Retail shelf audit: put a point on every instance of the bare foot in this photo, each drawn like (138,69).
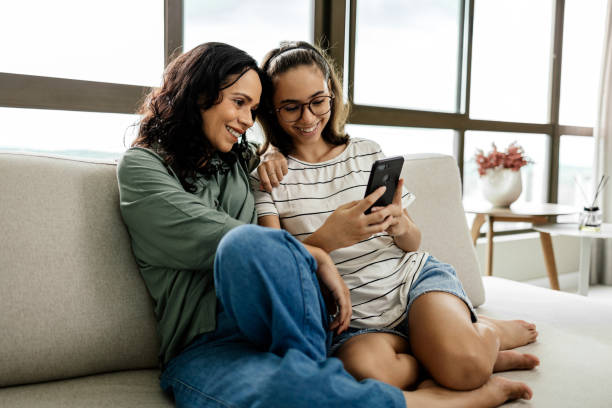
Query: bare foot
(512,333)
(493,393)
(513,360)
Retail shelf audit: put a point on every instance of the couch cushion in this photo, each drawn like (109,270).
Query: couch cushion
(438,211)
(72,299)
(128,389)
(574,343)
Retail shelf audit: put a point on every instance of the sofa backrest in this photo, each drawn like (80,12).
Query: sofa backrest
(438,211)
(72,301)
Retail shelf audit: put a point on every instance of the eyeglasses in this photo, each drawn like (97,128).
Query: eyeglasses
(318,106)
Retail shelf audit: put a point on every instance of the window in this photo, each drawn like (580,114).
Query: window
(511,60)
(106,41)
(582,49)
(111,42)
(407,54)
(407,65)
(254,26)
(400,140)
(67,133)
(576,158)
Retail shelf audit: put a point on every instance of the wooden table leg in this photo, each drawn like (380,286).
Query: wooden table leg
(489,255)
(549,259)
(476,225)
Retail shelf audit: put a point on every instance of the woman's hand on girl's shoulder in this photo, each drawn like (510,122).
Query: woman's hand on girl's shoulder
(272,169)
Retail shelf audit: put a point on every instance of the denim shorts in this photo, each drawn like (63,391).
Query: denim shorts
(435,276)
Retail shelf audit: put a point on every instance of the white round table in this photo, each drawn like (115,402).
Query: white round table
(586,238)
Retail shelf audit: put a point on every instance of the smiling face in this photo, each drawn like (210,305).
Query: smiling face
(224,122)
(300,85)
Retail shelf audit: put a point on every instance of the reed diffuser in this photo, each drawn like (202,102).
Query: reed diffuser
(590,217)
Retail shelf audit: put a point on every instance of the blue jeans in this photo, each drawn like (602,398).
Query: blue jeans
(269,348)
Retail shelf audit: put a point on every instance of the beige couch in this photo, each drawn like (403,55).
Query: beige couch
(77,326)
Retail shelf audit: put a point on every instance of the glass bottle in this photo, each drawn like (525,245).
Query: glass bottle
(590,219)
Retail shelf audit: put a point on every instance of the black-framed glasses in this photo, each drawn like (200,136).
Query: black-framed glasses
(318,106)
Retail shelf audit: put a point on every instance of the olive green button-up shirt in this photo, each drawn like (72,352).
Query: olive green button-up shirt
(174,237)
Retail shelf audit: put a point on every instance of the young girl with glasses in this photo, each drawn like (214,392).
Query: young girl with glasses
(405,303)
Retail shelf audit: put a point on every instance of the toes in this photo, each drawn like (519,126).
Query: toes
(513,360)
(513,389)
(520,390)
(531,326)
(530,361)
(525,362)
(527,394)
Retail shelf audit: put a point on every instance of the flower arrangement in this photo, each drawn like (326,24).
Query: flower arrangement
(513,158)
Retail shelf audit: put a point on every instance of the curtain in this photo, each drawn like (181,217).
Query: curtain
(601,265)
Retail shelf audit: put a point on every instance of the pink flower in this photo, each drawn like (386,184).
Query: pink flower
(513,158)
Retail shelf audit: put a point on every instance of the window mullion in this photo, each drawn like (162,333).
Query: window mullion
(173,29)
(337,10)
(320,32)
(554,101)
(350,70)
(464,81)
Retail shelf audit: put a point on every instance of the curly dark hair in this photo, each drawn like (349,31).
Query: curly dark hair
(171,121)
(288,55)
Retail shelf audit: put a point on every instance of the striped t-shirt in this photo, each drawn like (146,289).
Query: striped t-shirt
(377,272)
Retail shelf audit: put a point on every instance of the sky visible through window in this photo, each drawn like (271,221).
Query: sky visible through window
(406,54)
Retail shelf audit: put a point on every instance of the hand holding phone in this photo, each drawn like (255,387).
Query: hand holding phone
(385,172)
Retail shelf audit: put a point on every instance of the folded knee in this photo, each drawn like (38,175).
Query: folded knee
(252,256)
(246,244)
(237,255)
(241,239)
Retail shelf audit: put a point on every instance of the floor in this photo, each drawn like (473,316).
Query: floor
(569,283)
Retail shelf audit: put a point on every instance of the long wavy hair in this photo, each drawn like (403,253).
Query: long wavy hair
(290,55)
(171,120)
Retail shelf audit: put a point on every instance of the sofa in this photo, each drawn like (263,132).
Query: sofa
(77,327)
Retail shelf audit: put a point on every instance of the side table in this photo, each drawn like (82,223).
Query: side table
(586,239)
(535,213)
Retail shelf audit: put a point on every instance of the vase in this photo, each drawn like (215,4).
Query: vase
(501,186)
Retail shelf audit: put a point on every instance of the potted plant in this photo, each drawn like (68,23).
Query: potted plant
(500,173)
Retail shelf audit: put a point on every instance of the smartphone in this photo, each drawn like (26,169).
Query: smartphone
(385,172)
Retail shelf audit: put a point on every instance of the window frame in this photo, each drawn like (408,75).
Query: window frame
(42,92)
(460,122)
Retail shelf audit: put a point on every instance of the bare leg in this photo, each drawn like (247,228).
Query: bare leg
(458,354)
(512,333)
(493,393)
(382,356)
